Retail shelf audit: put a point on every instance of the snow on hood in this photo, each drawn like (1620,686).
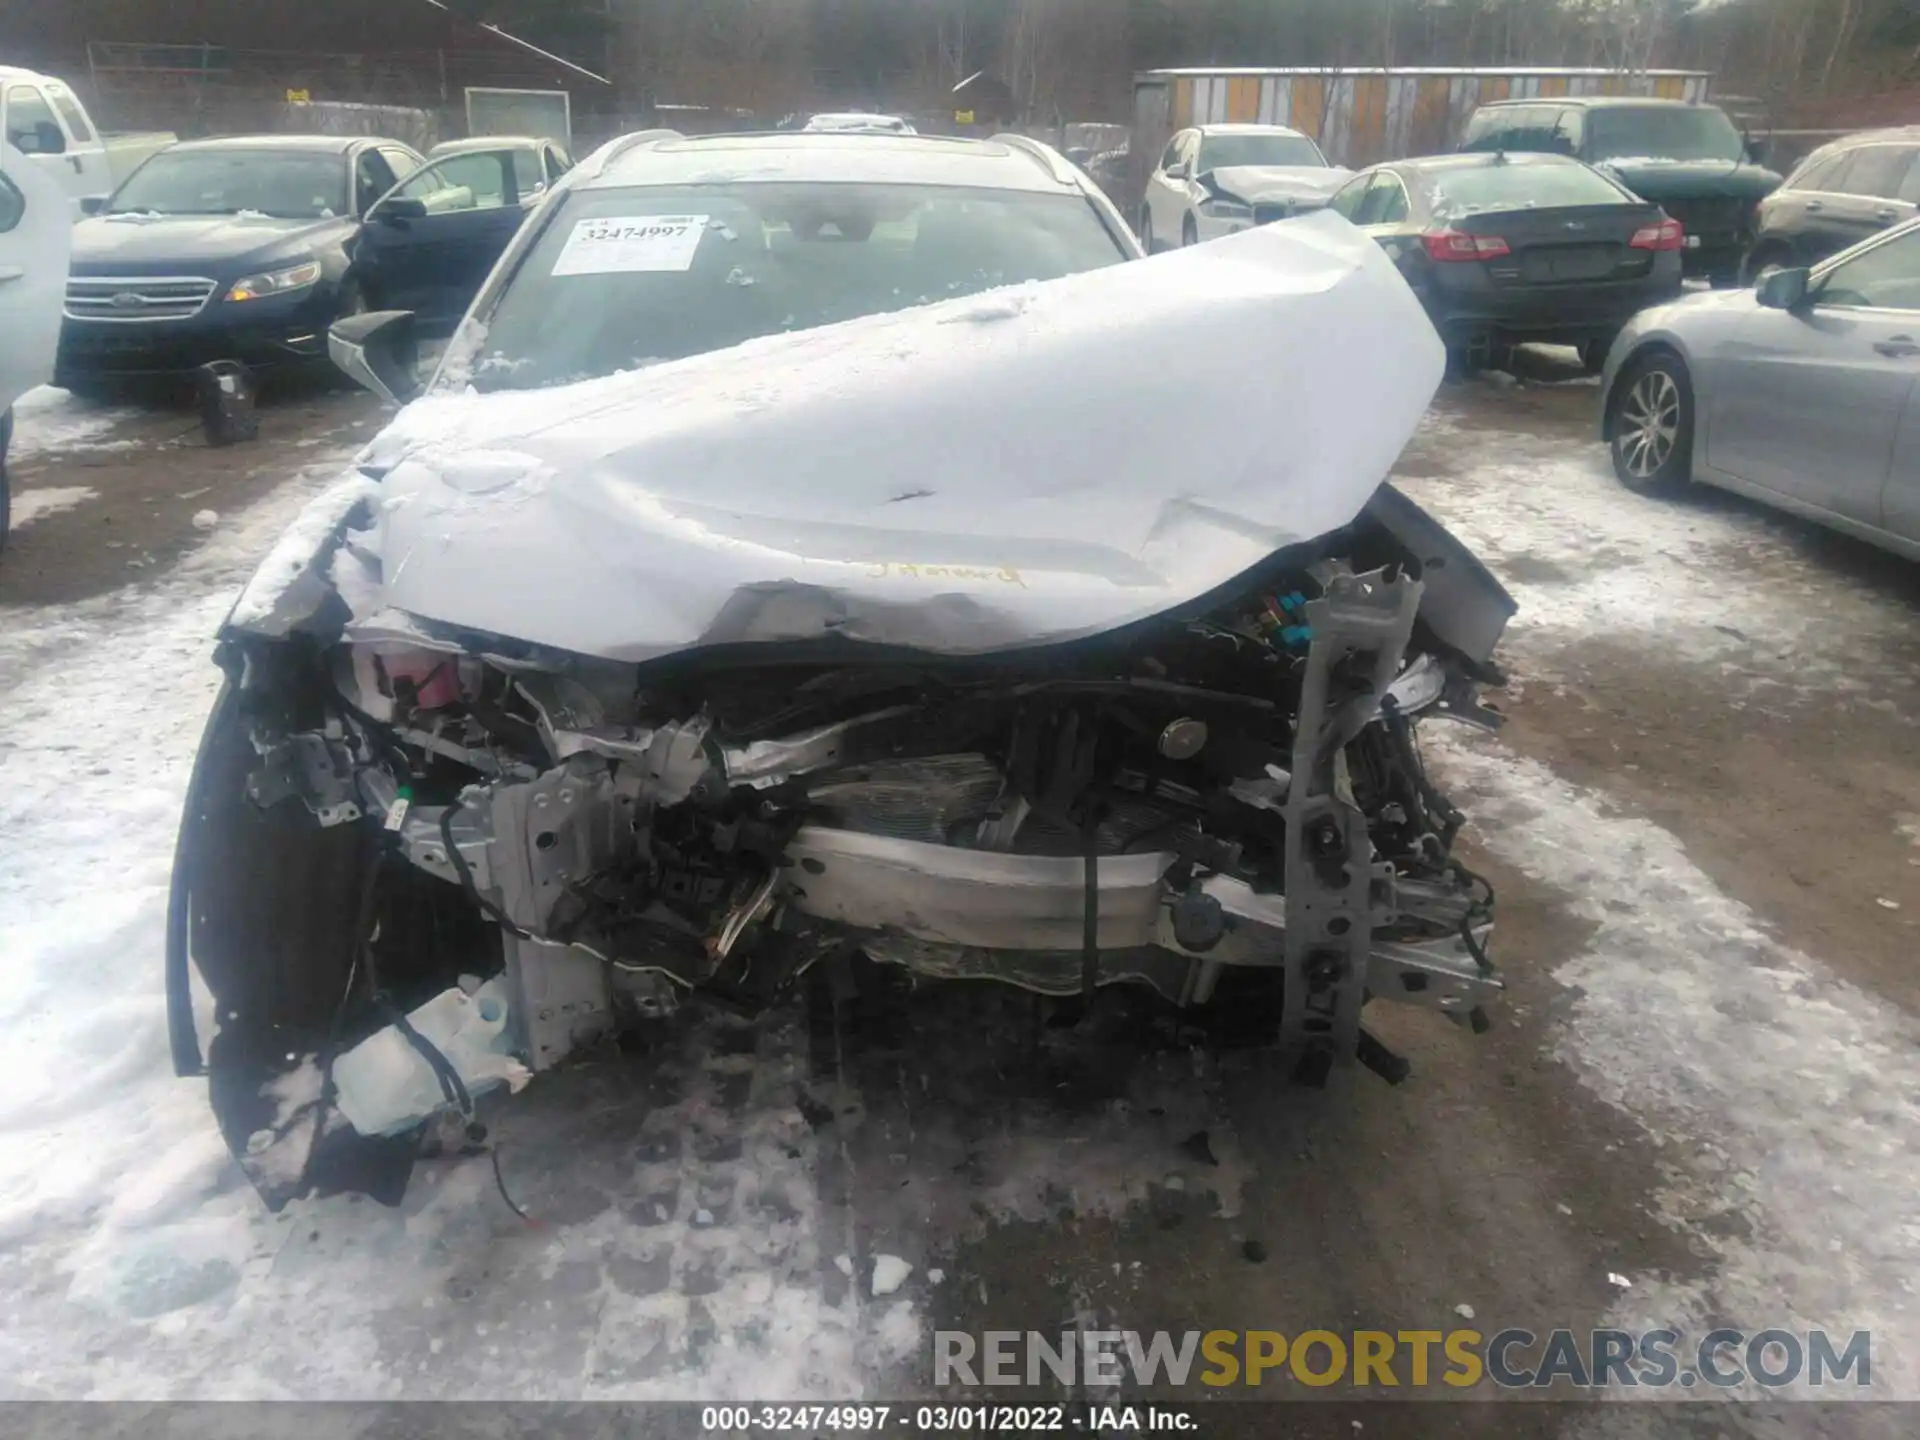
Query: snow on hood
(1254,183)
(1032,465)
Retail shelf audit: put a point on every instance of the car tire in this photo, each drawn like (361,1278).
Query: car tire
(1650,421)
(1593,354)
(1189,232)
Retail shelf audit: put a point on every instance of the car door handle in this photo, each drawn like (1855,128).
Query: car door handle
(12,272)
(1814,205)
(1898,347)
(79,166)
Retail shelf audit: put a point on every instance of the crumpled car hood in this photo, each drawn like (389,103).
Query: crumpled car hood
(1025,467)
(1255,183)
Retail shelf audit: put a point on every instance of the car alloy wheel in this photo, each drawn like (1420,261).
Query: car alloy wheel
(1653,426)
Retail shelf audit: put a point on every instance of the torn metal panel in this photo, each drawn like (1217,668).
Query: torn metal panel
(659,510)
(1360,629)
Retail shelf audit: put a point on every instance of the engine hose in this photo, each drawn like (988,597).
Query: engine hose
(465,872)
(1090,914)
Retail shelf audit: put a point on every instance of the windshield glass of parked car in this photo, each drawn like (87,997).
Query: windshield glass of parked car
(624,278)
(1629,132)
(1466,190)
(288,186)
(1219,152)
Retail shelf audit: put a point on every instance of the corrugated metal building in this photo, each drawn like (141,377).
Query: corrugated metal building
(1361,116)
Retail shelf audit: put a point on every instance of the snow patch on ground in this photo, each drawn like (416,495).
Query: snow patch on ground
(48,420)
(1700,580)
(31,505)
(138,1264)
(1783,1099)
(890,1272)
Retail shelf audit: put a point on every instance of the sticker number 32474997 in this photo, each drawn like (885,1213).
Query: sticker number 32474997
(631,242)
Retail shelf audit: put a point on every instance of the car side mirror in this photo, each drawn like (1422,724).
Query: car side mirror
(1782,289)
(93,204)
(379,351)
(1758,151)
(398,210)
(1178,170)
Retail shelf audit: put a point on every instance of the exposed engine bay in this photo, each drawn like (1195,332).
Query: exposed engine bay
(1234,791)
(693,681)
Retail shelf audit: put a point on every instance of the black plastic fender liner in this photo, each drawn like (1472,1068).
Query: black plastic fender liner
(263,905)
(1463,604)
(182,1035)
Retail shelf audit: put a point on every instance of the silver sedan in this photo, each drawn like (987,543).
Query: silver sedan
(1803,393)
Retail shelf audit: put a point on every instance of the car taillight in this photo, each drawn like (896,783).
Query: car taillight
(1452,245)
(1667,235)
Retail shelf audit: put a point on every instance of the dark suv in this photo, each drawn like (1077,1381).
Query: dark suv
(1690,160)
(1838,196)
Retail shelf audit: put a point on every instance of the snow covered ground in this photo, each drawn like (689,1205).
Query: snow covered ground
(1779,1092)
(688,1244)
(49,420)
(140,1264)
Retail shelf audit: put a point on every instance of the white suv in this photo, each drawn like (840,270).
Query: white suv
(36,236)
(1212,180)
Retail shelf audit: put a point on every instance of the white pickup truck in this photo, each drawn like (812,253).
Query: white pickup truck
(36,239)
(43,119)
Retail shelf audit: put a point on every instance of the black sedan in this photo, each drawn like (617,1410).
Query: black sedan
(235,249)
(1503,249)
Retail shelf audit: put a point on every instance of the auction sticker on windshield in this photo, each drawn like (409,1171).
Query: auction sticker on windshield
(631,242)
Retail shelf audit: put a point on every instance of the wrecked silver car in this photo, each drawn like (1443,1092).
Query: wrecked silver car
(926,635)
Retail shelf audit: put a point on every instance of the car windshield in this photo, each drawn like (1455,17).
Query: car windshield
(629,277)
(1218,152)
(1520,187)
(1693,132)
(292,185)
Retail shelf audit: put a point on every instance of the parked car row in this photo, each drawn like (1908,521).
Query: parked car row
(1574,221)
(1578,212)
(248,247)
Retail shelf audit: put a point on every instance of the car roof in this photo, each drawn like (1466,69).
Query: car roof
(318,144)
(1244,129)
(491,142)
(665,158)
(1481,160)
(1890,135)
(1602,102)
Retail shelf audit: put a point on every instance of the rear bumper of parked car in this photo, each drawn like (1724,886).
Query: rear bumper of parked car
(268,333)
(1468,307)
